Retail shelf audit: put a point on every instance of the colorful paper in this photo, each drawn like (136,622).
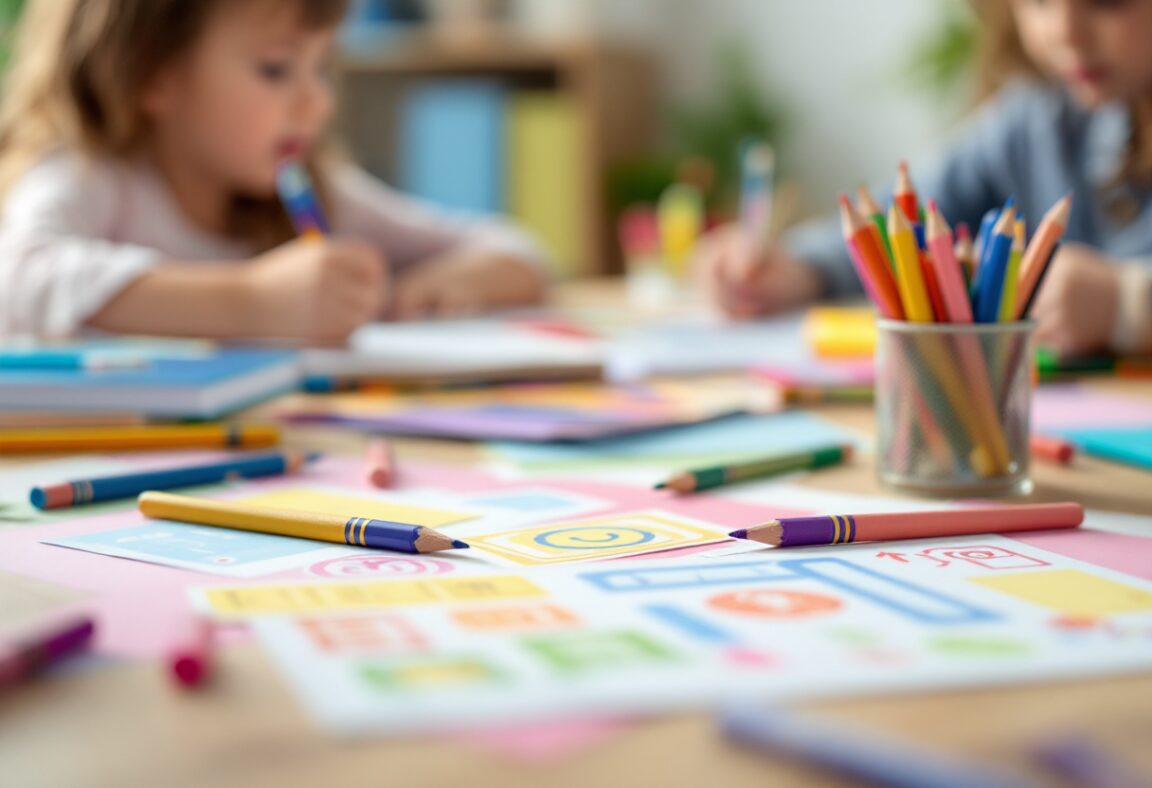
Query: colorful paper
(1059,407)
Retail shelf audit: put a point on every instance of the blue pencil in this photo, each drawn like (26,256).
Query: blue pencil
(994,268)
(869,758)
(299,198)
(110,488)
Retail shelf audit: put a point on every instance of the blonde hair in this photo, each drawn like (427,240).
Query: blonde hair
(1001,57)
(79,68)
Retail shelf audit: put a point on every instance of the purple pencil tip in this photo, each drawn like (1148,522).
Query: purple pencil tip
(456,543)
(740,534)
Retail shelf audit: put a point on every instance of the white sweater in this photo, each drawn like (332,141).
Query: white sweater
(75,232)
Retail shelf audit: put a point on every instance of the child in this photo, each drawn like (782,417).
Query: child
(139,144)
(1073,113)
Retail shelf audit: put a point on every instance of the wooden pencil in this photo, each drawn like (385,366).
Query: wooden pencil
(358,531)
(147,437)
(1039,253)
(909,276)
(845,529)
(870,261)
(905,195)
(720,475)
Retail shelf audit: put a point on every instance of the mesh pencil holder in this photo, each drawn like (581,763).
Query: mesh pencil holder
(952,406)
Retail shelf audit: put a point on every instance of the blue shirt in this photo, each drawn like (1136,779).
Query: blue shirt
(1031,142)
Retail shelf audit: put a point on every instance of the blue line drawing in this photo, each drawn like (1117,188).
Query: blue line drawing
(612,538)
(907,599)
(691,625)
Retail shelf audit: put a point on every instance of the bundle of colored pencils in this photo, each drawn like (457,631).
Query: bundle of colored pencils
(915,268)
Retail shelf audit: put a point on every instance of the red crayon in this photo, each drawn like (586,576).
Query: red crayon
(1057,450)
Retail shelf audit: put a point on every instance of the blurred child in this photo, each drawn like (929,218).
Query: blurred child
(139,145)
(1071,111)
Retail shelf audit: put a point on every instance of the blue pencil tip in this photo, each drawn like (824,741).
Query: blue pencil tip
(456,543)
(740,534)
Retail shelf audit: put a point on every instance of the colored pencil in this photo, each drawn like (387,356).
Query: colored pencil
(358,531)
(870,261)
(720,475)
(932,287)
(909,277)
(949,276)
(813,395)
(1039,253)
(23,659)
(129,485)
(862,756)
(299,198)
(1012,275)
(380,463)
(994,267)
(984,234)
(1052,449)
(875,214)
(844,529)
(191,659)
(757,176)
(182,436)
(905,195)
(964,252)
(64,359)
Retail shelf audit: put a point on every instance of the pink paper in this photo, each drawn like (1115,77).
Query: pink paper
(1131,555)
(544,742)
(141,607)
(1056,407)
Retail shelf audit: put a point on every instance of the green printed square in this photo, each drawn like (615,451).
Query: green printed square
(429,673)
(596,651)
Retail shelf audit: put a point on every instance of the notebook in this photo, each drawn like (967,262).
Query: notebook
(203,385)
(455,351)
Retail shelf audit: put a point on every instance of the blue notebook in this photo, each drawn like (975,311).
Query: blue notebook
(202,383)
(451,148)
(1128,446)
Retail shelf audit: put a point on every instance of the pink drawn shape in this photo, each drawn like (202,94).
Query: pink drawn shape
(354,567)
(1072,406)
(546,742)
(1120,552)
(751,658)
(987,556)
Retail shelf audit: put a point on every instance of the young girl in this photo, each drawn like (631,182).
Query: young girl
(139,145)
(1072,112)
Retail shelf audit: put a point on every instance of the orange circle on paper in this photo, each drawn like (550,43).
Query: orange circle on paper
(773,603)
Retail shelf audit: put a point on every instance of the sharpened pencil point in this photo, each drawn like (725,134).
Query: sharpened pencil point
(739,534)
(458,545)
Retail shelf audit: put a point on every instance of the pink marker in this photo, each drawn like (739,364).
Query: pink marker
(190,661)
(380,463)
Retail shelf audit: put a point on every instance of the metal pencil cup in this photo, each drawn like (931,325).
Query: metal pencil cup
(952,407)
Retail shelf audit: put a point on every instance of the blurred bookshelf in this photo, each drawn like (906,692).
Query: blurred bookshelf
(504,122)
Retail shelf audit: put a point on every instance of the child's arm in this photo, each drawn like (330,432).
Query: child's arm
(1090,303)
(302,291)
(442,263)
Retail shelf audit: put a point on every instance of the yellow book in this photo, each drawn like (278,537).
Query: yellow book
(545,184)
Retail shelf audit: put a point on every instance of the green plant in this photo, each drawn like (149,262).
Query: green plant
(942,62)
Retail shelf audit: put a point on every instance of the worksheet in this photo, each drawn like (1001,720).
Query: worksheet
(633,637)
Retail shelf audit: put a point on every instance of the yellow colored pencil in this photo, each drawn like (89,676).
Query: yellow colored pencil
(909,277)
(171,436)
(1012,276)
(358,531)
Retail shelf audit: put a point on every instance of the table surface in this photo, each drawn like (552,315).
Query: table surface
(124,725)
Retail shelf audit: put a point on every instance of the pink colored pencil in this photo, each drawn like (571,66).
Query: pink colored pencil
(1039,251)
(842,529)
(953,292)
(380,463)
(191,660)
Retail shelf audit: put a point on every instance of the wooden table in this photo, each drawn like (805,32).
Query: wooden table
(123,725)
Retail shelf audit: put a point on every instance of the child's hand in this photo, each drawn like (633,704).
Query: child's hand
(467,283)
(316,291)
(1077,302)
(746,283)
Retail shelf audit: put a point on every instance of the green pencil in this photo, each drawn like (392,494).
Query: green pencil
(720,475)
